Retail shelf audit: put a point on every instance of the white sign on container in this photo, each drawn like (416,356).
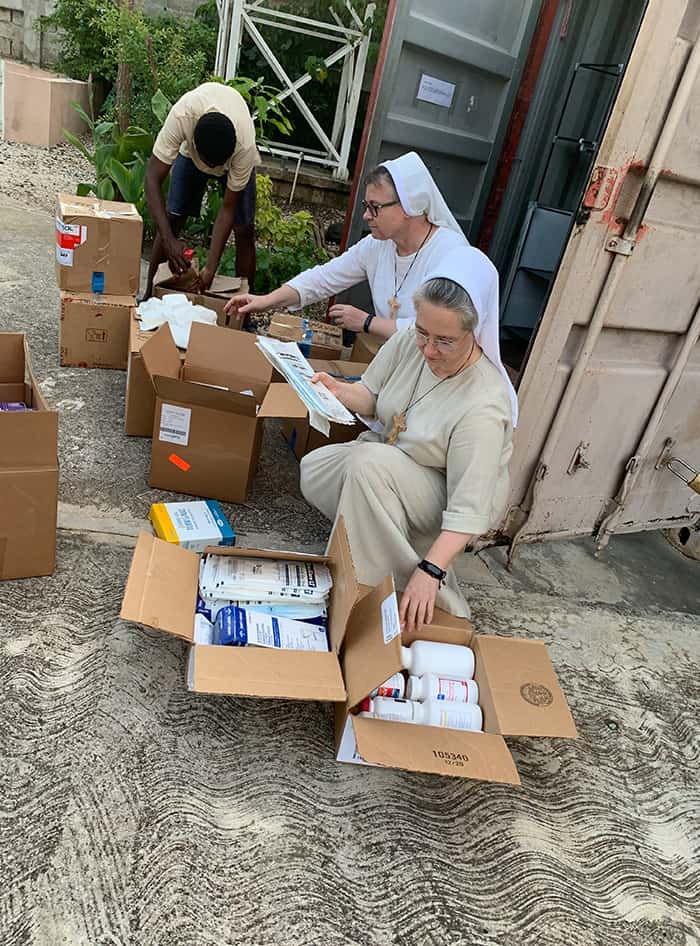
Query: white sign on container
(436,91)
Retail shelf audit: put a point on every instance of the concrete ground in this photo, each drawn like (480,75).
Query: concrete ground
(135,813)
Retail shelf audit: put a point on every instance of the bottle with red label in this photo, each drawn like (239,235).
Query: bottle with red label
(432,686)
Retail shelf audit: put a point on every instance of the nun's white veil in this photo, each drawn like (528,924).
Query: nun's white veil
(419,193)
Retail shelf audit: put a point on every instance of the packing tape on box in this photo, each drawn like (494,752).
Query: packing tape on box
(179,462)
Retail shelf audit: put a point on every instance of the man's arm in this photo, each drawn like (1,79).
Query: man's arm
(156,172)
(223,225)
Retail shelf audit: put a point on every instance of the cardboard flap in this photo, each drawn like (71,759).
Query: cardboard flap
(346,590)
(227,286)
(161,590)
(367,660)
(160,354)
(260,671)
(12,349)
(522,687)
(166,278)
(229,354)
(475,755)
(200,395)
(282,400)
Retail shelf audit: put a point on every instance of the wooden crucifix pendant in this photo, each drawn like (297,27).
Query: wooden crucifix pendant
(398,428)
(394,306)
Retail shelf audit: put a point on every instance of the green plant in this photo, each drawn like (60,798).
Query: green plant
(82,38)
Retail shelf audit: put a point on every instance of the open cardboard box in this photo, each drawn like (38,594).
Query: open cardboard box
(28,468)
(365,347)
(519,695)
(215,298)
(326,339)
(206,433)
(161,592)
(301,435)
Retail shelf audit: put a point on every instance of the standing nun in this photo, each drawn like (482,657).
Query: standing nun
(411,230)
(415,495)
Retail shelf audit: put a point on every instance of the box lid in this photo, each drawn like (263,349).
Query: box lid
(161,590)
(231,356)
(71,206)
(160,354)
(281,400)
(372,642)
(346,369)
(519,690)
(12,350)
(345,594)
(259,671)
(226,286)
(433,749)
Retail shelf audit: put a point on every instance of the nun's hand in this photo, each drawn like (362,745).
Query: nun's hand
(347,316)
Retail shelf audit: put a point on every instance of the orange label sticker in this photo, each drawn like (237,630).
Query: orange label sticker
(179,462)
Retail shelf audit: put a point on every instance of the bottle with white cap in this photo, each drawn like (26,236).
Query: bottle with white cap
(465,716)
(447,660)
(394,687)
(433,687)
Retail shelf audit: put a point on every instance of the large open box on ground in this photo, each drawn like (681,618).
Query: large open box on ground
(95,330)
(28,468)
(222,289)
(161,592)
(519,695)
(209,412)
(98,246)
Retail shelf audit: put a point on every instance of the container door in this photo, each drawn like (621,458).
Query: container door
(611,387)
(447,88)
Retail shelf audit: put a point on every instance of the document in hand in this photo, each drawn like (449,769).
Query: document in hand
(323,406)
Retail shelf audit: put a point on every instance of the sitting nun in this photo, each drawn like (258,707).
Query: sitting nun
(411,229)
(415,495)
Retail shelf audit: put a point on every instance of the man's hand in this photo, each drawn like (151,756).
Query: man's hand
(175,254)
(347,316)
(205,279)
(418,601)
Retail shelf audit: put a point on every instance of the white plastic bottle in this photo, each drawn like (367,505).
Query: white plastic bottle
(465,716)
(447,660)
(394,687)
(433,687)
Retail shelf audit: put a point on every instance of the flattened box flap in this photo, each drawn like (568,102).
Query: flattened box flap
(161,590)
(433,749)
(367,660)
(260,671)
(282,400)
(201,395)
(160,354)
(524,691)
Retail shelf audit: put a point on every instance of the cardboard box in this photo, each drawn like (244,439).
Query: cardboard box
(222,289)
(519,695)
(302,437)
(365,348)
(94,330)
(37,105)
(28,468)
(140,402)
(161,593)
(98,246)
(206,432)
(326,341)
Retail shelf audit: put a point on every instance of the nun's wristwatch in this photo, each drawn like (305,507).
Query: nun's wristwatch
(434,571)
(368,322)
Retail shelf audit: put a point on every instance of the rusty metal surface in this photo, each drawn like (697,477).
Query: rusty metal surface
(649,315)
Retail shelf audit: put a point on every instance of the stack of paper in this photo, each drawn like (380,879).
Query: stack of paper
(323,406)
(177,310)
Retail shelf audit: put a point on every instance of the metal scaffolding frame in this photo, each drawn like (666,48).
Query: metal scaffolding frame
(237,16)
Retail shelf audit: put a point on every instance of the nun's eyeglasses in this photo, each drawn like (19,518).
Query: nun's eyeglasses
(372,207)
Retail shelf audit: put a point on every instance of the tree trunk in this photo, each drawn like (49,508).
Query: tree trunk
(124,83)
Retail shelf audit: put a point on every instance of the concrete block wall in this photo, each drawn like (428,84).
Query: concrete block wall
(20,39)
